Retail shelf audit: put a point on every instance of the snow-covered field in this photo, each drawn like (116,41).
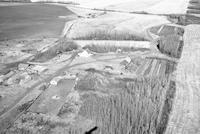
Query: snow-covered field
(150,6)
(153,6)
(135,24)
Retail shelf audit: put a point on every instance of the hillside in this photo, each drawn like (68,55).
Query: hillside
(116,67)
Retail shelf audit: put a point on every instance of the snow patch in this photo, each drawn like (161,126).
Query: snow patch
(128,59)
(150,6)
(85,54)
(55,97)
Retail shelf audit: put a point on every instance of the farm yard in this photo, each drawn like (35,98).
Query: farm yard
(88,71)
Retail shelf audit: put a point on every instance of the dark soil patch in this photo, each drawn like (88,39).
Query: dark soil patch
(170,45)
(167,30)
(193,11)
(31,20)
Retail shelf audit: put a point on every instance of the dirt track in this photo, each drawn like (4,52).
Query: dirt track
(185,116)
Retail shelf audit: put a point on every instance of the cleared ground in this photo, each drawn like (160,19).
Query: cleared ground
(32,20)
